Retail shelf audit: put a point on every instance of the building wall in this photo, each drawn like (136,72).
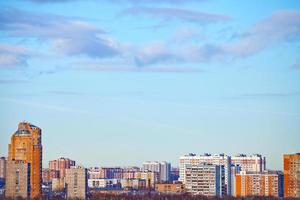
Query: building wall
(150,177)
(268,183)
(205,179)
(17,179)
(49,174)
(76,183)
(26,145)
(253,163)
(61,165)
(219,159)
(292,175)
(169,188)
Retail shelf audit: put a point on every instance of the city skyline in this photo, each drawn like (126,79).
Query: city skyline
(117,83)
(22,175)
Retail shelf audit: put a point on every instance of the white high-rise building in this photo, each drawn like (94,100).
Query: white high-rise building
(205,179)
(218,159)
(253,163)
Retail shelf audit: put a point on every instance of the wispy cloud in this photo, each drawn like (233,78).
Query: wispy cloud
(65,93)
(127,67)
(271,94)
(281,26)
(66,35)
(13,56)
(3,81)
(296,66)
(183,15)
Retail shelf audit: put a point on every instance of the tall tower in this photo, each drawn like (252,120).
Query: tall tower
(291,175)
(26,145)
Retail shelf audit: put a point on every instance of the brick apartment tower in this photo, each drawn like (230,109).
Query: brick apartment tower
(26,145)
(291,175)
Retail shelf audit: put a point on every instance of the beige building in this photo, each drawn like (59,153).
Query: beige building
(150,177)
(58,184)
(76,183)
(135,184)
(2,167)
(205,179)
(17,179)
(170,188)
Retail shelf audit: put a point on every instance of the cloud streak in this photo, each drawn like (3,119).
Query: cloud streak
(176,14)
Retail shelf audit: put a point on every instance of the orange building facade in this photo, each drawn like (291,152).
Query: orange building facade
(26,145)
(268,183)
(291,175)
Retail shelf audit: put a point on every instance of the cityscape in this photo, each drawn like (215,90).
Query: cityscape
(149,100)
(23,176)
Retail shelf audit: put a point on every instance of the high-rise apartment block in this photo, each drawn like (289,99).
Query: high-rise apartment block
(17,179)
(61,165)
(267,183)
(205,179)
(26,145)
(291,175)
(162,168)
(76,183)
(218,159)
(253,163)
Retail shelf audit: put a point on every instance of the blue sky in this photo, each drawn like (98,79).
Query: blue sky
(115,83)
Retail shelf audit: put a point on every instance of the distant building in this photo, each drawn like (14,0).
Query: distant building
(267,183)
(49,174)
(104,183)
(165,171)
(170,188)
(76,183)
(205,179)
(217,159)
(17,179)
(235,169)
(253,163)
(26,145)
(61,165)
(94,173)
(129,172)
(58,184)
(174,174)
(150,177)
(291,175)
(2,167)
(162,168)
(133,184)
